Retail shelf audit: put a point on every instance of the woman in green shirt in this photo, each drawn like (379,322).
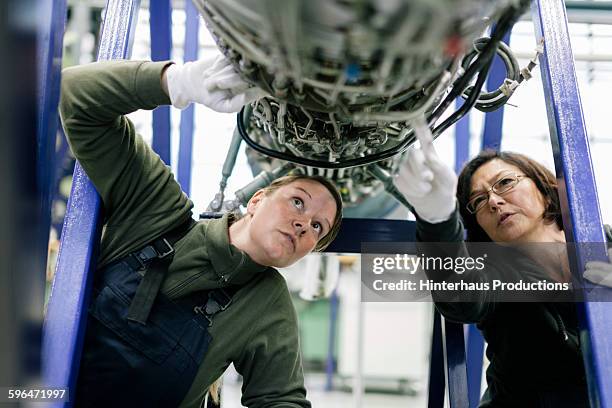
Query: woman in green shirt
(163,350)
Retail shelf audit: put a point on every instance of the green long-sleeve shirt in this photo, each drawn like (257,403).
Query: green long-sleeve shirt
(142,200)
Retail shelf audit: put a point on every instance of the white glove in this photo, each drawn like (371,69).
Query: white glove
(599,273)
(212,82)
(428,184)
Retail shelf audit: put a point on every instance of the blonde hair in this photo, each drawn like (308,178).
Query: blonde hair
(213,391)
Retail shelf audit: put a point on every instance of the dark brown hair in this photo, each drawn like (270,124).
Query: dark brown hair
(543,178)
(335,227)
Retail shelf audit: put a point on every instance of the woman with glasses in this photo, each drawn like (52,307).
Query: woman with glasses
(505,198)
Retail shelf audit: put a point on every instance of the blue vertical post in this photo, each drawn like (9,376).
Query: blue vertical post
(437,381)
(456,370)
(491,139)
(330,364)
(192,25)
(474,351)
(160,23)
(474,341)
(462,138)
(51,29)
(577,188)
(50,45)
(494,121)
(67,308)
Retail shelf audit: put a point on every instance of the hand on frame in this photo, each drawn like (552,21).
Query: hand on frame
(599,273)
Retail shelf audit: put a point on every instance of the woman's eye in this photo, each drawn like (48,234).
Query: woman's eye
(477,201)
(505,181)
(317,227)
(298,202)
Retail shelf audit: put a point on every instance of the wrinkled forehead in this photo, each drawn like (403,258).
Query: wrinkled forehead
(489,173)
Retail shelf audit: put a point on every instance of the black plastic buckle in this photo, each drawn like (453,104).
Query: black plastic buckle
(217,302)
(136,262)
(166,251)
(220,298)
(202,310)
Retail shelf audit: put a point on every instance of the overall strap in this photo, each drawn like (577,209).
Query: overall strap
(217,301)
(155,259)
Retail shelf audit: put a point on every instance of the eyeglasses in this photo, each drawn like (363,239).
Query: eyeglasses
(501,186)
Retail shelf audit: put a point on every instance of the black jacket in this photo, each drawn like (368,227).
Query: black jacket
(533,347)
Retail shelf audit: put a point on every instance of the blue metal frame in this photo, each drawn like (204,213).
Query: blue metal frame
(578,192)
(50,46)
(494,121)
(474,351)
(456,371)
(330,363)
(66,313)
(462,138)
(437,380)
(354,231)
(491,139)
(474,341)
(192,26)
(160,24)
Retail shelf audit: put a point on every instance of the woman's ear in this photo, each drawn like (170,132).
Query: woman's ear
(254,202)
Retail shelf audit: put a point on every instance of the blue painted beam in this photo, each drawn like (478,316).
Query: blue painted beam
(160,24)
(192,25)
(494,121)
(578,192)
(330,363)
(454,352)
(462,138)
(67,308)
(50,45)
(437,379)
(474,340)
(355,231)
(474,351)
(491,139)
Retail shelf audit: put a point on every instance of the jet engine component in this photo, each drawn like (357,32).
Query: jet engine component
(347,77)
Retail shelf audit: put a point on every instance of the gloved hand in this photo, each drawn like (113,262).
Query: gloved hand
(599,273)
(212,82)
(428,184)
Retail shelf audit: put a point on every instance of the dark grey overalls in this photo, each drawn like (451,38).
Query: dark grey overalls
(141,348)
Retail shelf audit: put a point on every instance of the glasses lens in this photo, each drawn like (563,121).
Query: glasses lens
(504,184)
(476,203)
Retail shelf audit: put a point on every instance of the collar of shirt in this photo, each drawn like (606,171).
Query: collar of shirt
(231,264)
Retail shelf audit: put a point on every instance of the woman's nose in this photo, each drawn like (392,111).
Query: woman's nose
(495,201)
(300,226)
